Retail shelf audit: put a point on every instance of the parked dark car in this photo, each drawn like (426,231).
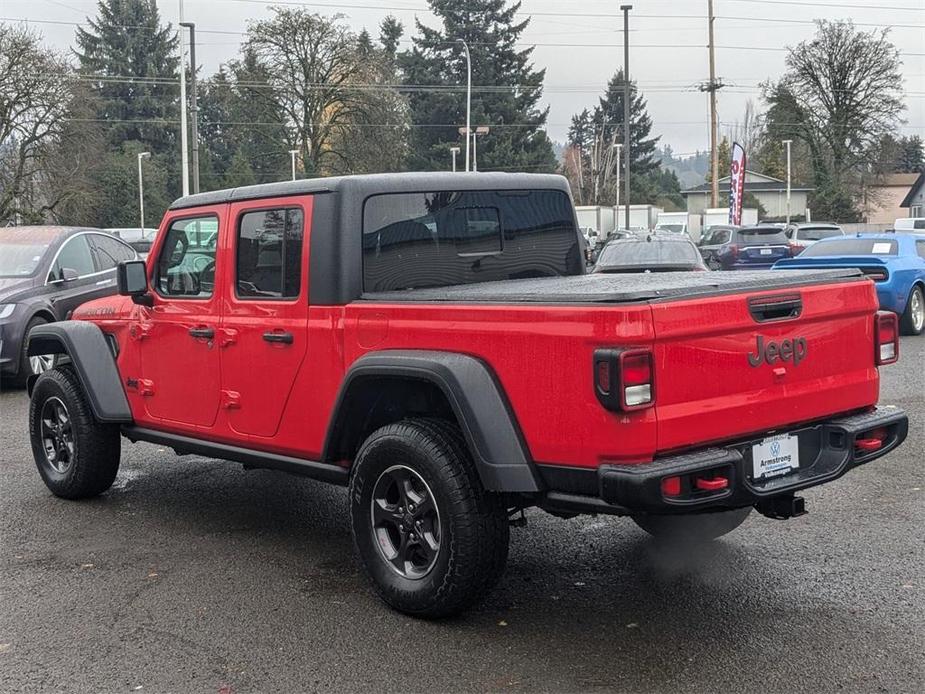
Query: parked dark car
(746,248)
(45,273)
(139,239)
(651,253)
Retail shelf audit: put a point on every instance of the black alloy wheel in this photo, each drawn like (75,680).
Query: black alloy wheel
(405,522)
(56,435)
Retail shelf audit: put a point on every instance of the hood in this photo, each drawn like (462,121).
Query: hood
(11,287)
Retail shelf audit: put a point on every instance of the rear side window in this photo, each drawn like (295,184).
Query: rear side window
(920,248)
(762,237)
(851,246)
(413,240)
(817,233)
(110,251)
(269,262)
(75,255)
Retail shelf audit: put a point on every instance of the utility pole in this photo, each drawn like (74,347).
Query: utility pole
(292,153)
(788,143)
(626,110)
(194,108)
(454,151)
(712,87)
(141,192)
(480,130)
(617,146)
(468,97)
(184,153)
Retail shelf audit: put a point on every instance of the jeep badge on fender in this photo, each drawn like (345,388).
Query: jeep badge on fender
(785,350)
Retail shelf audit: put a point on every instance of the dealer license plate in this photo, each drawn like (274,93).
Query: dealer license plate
(766,251)
(775,455)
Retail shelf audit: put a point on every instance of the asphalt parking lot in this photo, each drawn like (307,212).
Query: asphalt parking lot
(194,575)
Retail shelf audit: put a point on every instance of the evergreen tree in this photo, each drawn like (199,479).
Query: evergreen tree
(608,116)
(390,33)
(506,88)
(911,155)
(127,43)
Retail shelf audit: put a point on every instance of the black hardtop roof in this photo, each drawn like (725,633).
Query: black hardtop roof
(365,185)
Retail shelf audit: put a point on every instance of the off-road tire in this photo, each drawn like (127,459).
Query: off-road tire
(693,527)
(474,527)
(916,302)
(94,460)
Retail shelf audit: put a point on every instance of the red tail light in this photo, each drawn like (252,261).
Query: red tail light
(624,379)
(795,249)
(734,251)
(886,338)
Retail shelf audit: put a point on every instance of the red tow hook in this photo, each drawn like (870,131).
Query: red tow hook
(868,445)
(713,485)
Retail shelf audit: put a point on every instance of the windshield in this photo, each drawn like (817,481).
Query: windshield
(649,253)
(20,258)
(675,228)
(851,246)
(817,233)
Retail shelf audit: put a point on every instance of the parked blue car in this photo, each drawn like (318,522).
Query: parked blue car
(895,262)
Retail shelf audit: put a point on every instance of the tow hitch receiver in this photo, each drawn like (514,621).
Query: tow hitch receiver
(782,507)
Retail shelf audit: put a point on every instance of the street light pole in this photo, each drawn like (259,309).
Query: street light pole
(454,151)
(141,192)
(184,155)
(468,97)
(787,143)
(626,110)
(480,130)
(292,153)
(194,108)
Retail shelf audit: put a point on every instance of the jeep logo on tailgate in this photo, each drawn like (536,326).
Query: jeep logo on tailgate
(786,350)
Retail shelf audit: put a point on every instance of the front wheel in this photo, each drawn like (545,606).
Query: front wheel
(692,528)
(432,541)
(77,457)
(913,318)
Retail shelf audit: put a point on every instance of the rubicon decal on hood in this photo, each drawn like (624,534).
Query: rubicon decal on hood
(793,349)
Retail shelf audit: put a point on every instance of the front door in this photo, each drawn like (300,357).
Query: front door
(264,327)
(179,353)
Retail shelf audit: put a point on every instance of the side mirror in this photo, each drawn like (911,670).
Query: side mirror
(132,280)
(69,274)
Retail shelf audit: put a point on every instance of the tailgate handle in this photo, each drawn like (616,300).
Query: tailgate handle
(778,307)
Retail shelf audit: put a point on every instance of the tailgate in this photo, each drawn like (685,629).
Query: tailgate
(764,254)
(731,366)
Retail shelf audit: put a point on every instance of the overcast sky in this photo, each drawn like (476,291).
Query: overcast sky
(580,45)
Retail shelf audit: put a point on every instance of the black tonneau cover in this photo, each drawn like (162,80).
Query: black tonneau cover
(617,288)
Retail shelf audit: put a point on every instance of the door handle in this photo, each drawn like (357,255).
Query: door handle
(283,338)
(202,333)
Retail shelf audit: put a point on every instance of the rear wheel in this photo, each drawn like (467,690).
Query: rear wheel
(432,541)
(913,318)
(76,456)
(699,527)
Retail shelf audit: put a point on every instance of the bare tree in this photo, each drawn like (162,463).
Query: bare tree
(840,95)
(35,88)
(315,71)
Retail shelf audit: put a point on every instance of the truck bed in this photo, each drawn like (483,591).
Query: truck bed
(617,288)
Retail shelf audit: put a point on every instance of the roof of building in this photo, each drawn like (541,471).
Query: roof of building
(913,187)
(750,187)
(895,179)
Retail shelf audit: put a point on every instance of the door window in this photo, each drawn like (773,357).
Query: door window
(74,255)
(110,251)
(186,264)
(269,254)
(920,248)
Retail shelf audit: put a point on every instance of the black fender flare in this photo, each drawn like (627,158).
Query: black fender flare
(476,398)
(91,355)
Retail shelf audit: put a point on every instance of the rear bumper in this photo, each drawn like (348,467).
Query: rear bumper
(827,450)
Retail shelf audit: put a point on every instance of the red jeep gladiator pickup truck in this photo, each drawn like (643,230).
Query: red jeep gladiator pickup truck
(432,341)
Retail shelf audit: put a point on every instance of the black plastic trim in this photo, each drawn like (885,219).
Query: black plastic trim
(187,445)
(476,399)
(91,355)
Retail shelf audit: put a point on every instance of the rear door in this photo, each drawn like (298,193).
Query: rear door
(264,327)
(730,366)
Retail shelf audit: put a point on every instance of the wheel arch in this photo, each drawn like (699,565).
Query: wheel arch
(388,386)
(93,361)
